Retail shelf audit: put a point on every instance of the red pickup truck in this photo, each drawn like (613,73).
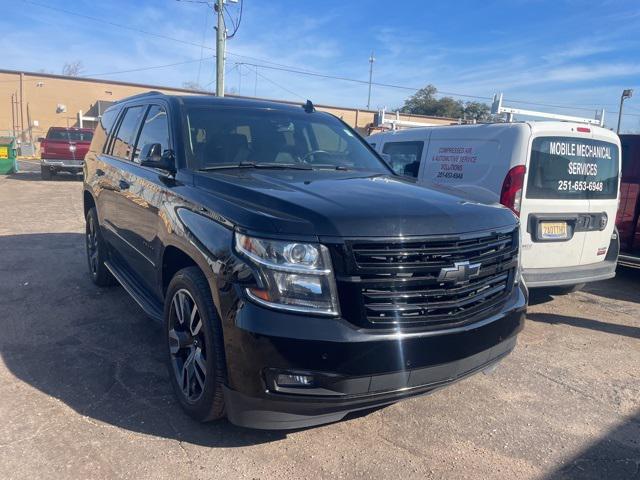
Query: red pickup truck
(63,150)
(628,219)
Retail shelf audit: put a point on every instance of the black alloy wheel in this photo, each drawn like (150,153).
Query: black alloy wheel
(96,251)
(187,345)
(196,360)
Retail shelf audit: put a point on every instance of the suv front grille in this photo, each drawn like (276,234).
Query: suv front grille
(399,282)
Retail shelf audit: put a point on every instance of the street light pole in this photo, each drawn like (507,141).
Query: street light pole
(220,41)
(627,93)
(371,60)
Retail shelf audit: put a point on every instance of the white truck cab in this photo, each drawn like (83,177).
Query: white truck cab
(560,178)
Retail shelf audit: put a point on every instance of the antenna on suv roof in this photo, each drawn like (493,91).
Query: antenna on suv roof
(308,107)
(497,108)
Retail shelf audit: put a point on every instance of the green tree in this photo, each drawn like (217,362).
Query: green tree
(424,102)
(477,111)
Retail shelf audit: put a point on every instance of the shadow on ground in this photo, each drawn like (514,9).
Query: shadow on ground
(625,286)
(32,176)
(92,348)
(579,322)
(615,456)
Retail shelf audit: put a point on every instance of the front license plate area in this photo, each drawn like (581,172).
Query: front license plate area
(554,231)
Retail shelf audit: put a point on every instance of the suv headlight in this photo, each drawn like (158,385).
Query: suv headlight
(294,276)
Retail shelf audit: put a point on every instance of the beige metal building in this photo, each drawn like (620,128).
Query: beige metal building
(31,102)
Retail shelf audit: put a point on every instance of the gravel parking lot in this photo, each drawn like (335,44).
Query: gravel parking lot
(84,392)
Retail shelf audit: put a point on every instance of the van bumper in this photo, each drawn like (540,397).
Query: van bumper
(560,276)
(555,277)
(351,369)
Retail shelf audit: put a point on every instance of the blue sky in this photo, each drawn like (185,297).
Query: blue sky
(576,53)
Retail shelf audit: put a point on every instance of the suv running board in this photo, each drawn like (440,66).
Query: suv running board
(629,260)
(151,307)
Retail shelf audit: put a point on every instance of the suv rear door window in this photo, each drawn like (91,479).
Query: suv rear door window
(404,157)
(126,135)
(573,168)
(155,129)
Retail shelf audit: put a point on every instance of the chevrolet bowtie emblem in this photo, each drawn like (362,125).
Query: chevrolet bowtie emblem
(461,272)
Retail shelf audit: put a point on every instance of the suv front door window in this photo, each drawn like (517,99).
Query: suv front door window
(155,131)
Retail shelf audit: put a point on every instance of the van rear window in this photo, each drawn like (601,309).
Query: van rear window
(573,168)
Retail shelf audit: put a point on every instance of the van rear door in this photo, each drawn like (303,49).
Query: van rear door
(570,200)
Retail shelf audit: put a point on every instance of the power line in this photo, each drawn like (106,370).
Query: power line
(287,68)
(114,24)
(274,83)
(204,32)
(141,69)
(236,25)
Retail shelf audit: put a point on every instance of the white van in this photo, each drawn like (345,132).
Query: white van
(560,178)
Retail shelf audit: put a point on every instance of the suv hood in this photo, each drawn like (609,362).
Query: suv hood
(341,204)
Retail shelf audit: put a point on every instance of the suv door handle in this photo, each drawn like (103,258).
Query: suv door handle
(123,184)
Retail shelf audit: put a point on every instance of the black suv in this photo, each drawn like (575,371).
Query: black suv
(297,277)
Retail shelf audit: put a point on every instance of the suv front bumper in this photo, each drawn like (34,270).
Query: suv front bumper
(352,368)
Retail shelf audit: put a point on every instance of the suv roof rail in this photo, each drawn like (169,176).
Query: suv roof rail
(140,95)
(497,108)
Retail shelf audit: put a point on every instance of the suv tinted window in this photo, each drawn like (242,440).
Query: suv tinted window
(126,135)
(154,130)
(404,157)
(226,136)
(105,127)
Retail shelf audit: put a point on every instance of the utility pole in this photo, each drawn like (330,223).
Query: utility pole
(220,41)
(21,108)
(13,116)
(371,60)
(627,93)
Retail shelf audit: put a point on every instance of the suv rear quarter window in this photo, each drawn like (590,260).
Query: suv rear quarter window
(104,129)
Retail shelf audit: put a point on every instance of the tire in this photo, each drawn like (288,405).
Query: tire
(96,252)
(196,360)
(45,172)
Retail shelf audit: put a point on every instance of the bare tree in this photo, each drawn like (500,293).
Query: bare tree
(73,69)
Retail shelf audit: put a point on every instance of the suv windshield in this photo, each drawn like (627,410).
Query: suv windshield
(223,137)
(70,135)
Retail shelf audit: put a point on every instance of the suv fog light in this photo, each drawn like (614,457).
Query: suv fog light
(292,380)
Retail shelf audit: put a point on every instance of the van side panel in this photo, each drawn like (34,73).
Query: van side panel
(473,159)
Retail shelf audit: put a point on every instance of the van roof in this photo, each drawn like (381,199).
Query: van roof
(533,126)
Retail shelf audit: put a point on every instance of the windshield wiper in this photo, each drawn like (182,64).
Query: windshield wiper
(330,167)
(283,166)
(292,166)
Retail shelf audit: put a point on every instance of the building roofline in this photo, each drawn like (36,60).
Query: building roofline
(199,92)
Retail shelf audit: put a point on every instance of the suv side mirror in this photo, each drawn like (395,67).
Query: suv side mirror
(152,156)
(41,139)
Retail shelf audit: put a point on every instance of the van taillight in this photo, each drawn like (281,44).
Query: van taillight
(511,194)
